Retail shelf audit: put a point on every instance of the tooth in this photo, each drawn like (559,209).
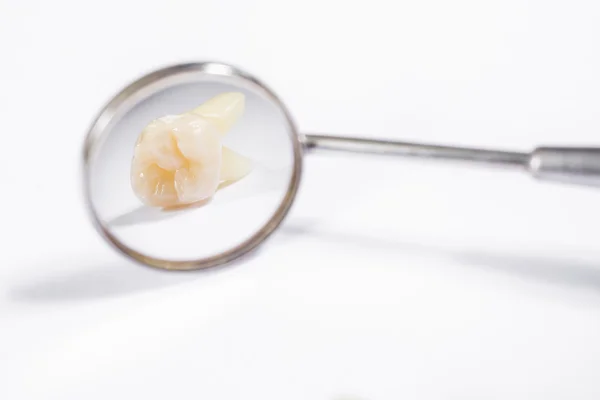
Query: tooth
(179,159)
(223,109)
(154,186)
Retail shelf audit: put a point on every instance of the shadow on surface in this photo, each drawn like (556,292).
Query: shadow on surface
(95,281)
(570,272)
(145,214)
(120,278)
(85,279)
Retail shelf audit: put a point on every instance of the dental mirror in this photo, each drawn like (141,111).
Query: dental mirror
(195,165)
(191,166)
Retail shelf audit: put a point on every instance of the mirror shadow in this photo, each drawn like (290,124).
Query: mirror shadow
(86,279)
(571,272)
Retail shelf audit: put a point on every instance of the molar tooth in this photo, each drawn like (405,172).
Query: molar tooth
(199,182)
(198,140)
(154,186)
(179,159)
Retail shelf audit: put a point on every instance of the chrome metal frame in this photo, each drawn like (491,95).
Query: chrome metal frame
(156,81)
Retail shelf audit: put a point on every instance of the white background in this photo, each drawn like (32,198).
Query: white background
(391,279)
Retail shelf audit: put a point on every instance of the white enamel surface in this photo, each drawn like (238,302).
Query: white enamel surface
(391,280)
(178,159)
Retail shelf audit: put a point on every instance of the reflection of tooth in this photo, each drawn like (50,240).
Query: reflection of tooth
(179,159)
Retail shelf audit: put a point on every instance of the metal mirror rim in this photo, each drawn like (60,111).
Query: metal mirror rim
(110,112)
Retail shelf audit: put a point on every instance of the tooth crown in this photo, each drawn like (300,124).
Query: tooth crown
(179,159)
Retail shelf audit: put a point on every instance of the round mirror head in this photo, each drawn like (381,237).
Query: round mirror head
(191,166)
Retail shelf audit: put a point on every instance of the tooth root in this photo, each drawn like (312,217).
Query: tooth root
(223,110)
(233,166)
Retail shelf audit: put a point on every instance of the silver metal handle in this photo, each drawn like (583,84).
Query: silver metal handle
(421,150)
(564,164)
(560,164)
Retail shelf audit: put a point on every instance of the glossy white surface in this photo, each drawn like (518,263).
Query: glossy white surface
(391,279)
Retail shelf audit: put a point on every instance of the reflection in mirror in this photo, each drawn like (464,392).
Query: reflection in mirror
(192,170)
